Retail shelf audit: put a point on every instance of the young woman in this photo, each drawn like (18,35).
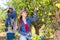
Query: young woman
(24,24)
(11,17)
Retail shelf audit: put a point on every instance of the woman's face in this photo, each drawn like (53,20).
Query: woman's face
(10,10)
(24,14)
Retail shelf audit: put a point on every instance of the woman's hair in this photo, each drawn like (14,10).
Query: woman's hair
(8,10)
(20,21)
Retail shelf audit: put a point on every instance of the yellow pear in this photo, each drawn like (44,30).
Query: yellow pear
(43,19)
(36,8)
(49,13)
(58,5)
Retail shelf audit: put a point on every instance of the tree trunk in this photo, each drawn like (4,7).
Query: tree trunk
(37,26)
(37,30)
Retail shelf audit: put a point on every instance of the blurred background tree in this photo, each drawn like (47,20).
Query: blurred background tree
(48,13)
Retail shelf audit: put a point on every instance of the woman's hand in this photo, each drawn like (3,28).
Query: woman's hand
(36,10)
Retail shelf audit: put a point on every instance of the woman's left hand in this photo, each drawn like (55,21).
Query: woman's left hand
(35,12)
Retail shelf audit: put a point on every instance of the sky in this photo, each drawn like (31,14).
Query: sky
(3,4)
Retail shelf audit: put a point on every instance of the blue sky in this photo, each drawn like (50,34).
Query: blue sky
(3,4)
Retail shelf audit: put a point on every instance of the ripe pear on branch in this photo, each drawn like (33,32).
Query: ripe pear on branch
(58,5)
(36,8)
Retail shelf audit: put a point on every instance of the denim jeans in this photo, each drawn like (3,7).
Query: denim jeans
(12,23)
(26,37)
(22,37)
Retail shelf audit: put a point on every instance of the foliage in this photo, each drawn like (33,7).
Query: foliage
(46,13)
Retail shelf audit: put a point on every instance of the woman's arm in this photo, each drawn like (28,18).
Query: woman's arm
(35,16)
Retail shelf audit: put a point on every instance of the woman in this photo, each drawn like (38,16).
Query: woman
(24,24)
(11,17)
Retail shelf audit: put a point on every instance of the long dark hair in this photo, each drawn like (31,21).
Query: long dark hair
(20,21)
